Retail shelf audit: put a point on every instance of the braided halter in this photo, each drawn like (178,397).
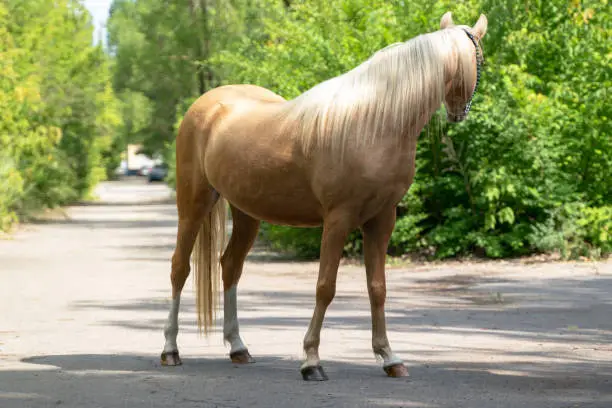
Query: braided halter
(479,64)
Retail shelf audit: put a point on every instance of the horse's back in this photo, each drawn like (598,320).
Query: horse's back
(231,94)
(216,109)
(241,150)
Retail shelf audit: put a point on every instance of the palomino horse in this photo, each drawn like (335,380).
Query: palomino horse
(341,155)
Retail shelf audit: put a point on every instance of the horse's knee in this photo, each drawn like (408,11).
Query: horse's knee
(326,290)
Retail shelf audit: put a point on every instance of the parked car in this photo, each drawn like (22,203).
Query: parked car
(145,170)
(158,172)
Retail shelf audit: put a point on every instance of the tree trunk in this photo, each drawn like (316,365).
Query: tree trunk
(205,77)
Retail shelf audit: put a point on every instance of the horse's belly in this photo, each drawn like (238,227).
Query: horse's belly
(280,212)
(266,189)
(266,202)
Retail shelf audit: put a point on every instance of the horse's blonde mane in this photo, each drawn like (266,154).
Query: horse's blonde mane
(383,97)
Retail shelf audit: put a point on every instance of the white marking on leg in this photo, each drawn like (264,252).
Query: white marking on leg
(388,356)
(230,320)
(171,327)
(380,342)
(312,338)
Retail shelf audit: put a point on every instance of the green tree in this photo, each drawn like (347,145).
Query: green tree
(59,111)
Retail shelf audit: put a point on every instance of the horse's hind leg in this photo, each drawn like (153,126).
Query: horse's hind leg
(194,201)
(244,232)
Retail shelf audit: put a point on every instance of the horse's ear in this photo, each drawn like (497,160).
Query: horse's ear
(480,29)
(447,20)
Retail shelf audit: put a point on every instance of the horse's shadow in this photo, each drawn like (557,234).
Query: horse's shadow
(276,382)
(273,368)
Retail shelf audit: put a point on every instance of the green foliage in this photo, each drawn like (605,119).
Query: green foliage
(302,242)
(58,114)
(11,189)
(161,50)
(327,37)
(576,230)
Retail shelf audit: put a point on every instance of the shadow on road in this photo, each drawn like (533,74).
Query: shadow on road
(561,377)
(565,310)
(217,382)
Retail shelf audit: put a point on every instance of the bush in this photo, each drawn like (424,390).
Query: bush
(304,243)
(576,231)
(11,189)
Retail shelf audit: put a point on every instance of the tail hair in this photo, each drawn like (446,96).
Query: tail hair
(210,242)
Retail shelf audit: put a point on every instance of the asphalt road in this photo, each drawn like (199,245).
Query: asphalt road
(83,301)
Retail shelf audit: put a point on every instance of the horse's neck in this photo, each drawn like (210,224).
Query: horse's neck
(410,133)
(388,100)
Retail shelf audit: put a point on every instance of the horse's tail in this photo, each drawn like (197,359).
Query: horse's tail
(207,268)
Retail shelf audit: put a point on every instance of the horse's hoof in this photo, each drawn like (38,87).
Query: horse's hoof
(171,358)
(241,357)
(396,370)
(315,373)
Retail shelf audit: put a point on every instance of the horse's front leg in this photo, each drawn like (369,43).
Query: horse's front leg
(376,235)
(336,228)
